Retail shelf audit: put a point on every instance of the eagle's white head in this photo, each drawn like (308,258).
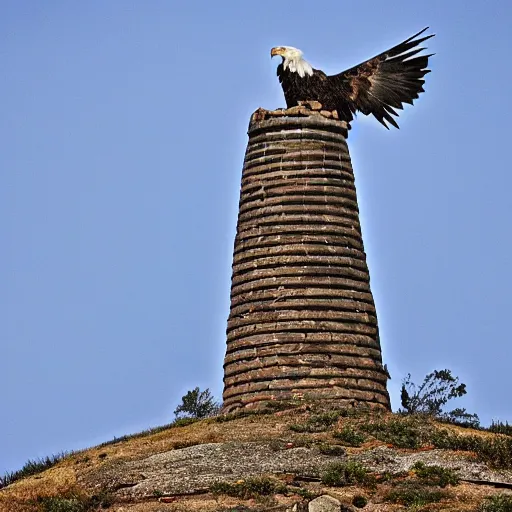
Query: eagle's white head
(292,60)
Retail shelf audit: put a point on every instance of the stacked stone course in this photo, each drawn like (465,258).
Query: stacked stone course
(302,322)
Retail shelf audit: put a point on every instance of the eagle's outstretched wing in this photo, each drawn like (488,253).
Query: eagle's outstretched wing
(383,83)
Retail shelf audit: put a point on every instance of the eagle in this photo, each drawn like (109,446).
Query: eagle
(377,86)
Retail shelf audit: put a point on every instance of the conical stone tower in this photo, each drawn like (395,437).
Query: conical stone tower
(302,322)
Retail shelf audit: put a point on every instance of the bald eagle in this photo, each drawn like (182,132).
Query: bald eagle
(377,86)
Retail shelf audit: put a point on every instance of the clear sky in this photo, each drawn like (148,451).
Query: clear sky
(123,129)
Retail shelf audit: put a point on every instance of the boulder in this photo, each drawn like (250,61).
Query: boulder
(324,503)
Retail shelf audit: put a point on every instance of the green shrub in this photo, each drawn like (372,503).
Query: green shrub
(431,396)
(460,417)
(75,503)
(350,437)
(359,501)
(303,493)
(60,504)
(318,422)
(339,474)
(497,503)
(414,495)
(387,476)
(184,422)
(249,488)
(197,404)
(332,449)
(495,451)
(435,475)
(102,500)
(400,432)
(499,427)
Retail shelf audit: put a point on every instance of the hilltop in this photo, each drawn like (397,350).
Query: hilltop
(279,460)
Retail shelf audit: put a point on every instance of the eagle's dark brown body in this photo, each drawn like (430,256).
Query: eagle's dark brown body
(378,86)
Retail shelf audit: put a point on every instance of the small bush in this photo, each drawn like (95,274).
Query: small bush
(461,418)
(250,488)
(359,501)
(499,427)
(431,396)
(184,422)
(303,493)
(497,503)
(447,440)
(350,437)
(301,427)
(197,404)
(400,432)
(340,474)
(102,500)
(60,504)
(495,451)
(387,476)
(331,449)
(414,495)
(75,503)
(435,475)
(318,422)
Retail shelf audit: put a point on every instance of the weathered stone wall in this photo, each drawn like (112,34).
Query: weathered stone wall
(302,319)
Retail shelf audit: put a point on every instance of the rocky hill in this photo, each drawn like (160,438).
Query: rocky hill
(300,458)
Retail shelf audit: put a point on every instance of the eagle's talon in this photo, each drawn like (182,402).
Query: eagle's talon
(311,104)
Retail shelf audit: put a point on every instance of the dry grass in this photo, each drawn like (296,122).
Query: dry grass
(65,476)
(62,478)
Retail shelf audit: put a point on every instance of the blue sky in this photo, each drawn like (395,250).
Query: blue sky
(123,131)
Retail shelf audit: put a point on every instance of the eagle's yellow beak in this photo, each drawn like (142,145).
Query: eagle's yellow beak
(278,50)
